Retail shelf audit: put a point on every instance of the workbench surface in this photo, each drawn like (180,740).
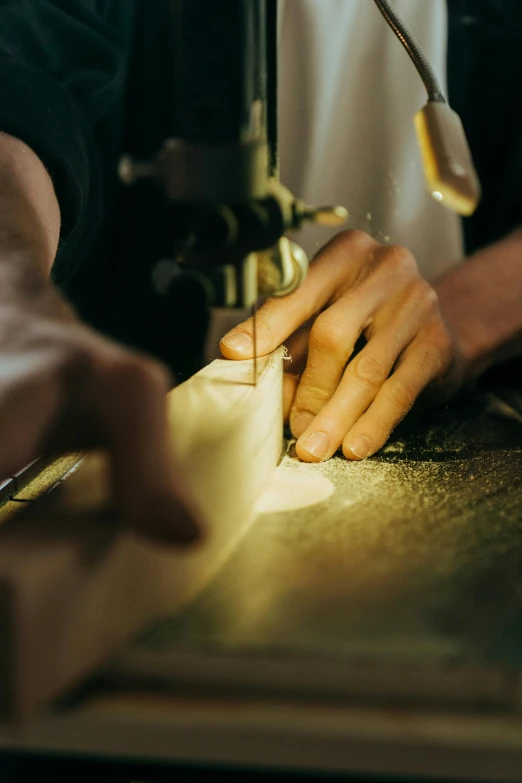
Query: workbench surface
(415,557)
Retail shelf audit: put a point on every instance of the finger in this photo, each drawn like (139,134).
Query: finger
(420,365)
(361,382)
(290,384)
(130,397)
(332,341)
(333,270)
(297,349)
(295,362)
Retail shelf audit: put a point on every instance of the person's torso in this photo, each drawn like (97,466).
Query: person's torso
(348,95)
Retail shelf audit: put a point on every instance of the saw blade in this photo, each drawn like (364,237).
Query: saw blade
(254,339)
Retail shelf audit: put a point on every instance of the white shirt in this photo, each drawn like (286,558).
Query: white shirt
(348,95)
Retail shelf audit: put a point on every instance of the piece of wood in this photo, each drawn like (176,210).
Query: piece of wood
(74,586)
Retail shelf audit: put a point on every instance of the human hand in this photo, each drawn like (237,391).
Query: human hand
(63,387)
(333,396)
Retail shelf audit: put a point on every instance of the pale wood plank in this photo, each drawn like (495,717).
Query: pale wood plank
(74,586)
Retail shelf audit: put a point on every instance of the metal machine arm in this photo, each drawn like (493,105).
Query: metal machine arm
(220,170)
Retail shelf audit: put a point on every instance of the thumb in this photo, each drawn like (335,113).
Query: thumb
(274,323)
(239,342)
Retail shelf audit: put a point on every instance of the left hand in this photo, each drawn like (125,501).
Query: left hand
(333,397)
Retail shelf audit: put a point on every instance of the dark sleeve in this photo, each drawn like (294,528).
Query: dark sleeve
(484,74)
(62,66)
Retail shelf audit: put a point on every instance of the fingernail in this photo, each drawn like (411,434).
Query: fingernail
(187,531)
(360,446)
(317,444)
(188,524)
(170,522)
(300,423)
(241,343)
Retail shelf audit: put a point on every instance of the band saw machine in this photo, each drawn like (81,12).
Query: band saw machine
(374,630)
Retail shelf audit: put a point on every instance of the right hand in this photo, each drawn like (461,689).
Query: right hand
(63,387)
